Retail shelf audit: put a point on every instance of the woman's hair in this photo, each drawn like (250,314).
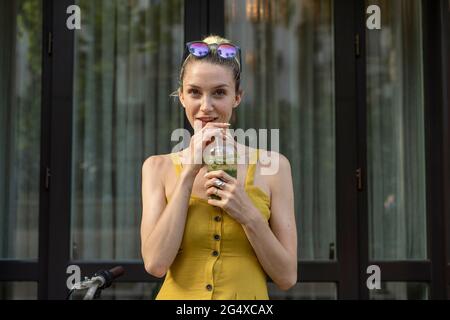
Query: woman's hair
(233,64)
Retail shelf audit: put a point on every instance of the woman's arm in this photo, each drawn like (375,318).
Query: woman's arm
(276,245)
(162,225)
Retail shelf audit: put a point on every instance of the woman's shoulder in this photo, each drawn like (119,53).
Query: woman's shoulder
(276,170)
(271,159)
(156,160)
(157,165)
(271,164)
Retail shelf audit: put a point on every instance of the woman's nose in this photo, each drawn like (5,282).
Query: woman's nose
(206,104)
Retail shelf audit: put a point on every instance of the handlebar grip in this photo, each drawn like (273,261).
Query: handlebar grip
(110,275)
(117,272)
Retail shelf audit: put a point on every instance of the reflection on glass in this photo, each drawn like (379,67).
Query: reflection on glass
(401,291)
(288,80)
(395,134)
(126,60)
(126,291)
(18,291)
(20,127)
(304,291)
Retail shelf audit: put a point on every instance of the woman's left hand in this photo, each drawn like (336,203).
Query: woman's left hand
(233,197)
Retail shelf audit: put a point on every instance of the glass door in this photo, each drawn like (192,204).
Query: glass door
(395,234)
(20,144)
(288,82)
(126,60)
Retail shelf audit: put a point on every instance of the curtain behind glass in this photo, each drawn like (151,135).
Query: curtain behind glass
(288,82)
(20,105)
(401,291)
(395,134)
(126,60)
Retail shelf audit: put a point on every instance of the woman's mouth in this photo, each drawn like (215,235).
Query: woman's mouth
(206,120)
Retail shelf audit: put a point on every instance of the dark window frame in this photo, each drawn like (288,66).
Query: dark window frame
(445,36)
(434,108)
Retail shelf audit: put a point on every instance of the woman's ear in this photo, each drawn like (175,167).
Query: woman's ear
(181,97)
(238,98)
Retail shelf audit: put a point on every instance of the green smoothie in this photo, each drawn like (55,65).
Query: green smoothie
(217,163)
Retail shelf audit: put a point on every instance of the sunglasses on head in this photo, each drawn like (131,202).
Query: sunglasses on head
(200,49)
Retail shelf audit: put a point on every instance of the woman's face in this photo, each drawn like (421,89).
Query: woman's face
(209,93)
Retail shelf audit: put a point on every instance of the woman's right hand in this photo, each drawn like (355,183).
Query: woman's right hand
(193,159)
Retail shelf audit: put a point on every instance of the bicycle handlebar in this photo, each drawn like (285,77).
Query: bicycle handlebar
(100,280)
(109,275)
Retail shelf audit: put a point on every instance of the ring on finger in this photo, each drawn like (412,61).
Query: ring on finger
(219,183)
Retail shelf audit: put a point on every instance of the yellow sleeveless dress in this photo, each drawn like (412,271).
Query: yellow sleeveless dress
(216,261)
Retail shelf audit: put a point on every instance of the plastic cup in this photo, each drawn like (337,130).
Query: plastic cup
(217,163)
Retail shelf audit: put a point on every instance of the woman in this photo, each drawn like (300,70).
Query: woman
(216,248)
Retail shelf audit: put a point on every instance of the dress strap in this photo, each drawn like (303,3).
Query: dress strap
(252,168)
(177,163)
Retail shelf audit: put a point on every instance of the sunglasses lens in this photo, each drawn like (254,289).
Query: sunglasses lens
(199,49)
(227,51)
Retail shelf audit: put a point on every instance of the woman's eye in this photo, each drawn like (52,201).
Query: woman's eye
(193,91)
(220,93)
